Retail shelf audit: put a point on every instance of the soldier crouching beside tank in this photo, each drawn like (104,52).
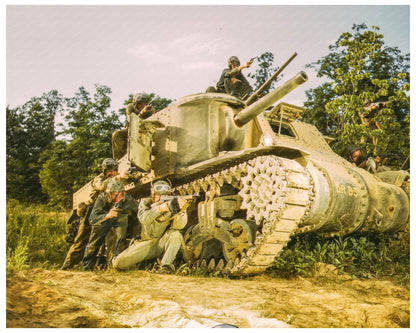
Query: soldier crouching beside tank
(144,110)
(161,222)
(112,209)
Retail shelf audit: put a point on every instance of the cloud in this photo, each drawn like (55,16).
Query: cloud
(199,65)
(191,49)
(151,52)
(198,44)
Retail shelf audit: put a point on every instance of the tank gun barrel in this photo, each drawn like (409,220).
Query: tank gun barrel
(268,100)
(267,84)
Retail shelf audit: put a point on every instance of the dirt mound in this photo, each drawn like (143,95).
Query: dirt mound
(44,298)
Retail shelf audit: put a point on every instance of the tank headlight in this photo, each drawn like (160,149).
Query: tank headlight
(268,140)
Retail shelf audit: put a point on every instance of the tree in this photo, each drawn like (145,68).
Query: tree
(29,131)
(72,161)
(362,69)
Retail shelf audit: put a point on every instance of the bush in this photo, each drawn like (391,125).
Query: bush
(35,236)
(362,256)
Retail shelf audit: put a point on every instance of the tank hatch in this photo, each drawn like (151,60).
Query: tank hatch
(285,112)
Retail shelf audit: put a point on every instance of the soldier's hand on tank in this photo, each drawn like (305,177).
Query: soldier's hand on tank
(147,108)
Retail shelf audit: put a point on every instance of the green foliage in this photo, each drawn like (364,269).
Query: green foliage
(35,235)
(55,145)
(363,256)
(17,260)
(361,69)
(74,160)
(29,131)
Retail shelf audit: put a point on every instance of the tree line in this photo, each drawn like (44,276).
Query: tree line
(55,144)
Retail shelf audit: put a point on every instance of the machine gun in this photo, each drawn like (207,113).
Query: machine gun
(172,197)
(173,201)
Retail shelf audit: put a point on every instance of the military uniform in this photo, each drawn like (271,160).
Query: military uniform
(160,235)
(241,89)
(76,251)
(101,226)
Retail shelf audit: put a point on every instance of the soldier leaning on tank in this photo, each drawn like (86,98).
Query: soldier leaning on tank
(161,222)
(372,164)
(232,81)
(99,184)
(141,107)
(113,208)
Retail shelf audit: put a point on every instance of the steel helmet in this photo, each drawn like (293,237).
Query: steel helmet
(233,60)
(115,186)
(109,164)
(140,98)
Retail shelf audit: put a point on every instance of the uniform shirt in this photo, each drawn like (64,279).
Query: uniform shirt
(154,223)
(240,89)
(99,184)
(103,205)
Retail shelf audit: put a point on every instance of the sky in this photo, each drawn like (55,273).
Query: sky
(174,50)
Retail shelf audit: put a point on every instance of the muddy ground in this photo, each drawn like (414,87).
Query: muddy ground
(52,298)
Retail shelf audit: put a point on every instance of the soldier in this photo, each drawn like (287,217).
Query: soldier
(161,222)
(232,81)
(112,209)
(99,184)
(141,107)
(355,155)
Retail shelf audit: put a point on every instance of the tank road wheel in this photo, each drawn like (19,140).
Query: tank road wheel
(243,233)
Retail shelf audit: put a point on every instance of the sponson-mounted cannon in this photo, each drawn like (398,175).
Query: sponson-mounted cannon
(262,176)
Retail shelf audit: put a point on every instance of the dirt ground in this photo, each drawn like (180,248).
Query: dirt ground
(51,298)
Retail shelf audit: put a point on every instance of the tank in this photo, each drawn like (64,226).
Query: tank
(262,176)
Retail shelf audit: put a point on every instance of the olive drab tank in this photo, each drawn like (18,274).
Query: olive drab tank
(262,178)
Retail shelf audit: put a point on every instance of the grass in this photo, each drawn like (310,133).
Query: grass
(36,238)
(361,256)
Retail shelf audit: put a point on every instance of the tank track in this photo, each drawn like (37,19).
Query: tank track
(277,193)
